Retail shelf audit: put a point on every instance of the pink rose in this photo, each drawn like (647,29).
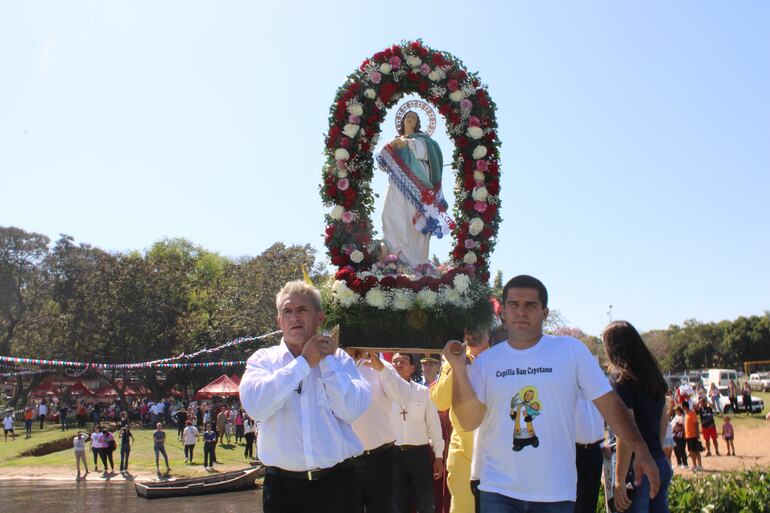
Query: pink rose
(342,164)
(480,207)
(424,69)
(482,165)
(474,121)
(355,120)
(470,244)
(466,104)
(343,184)
(452,85)
(375,77)
(347,217)
(395,62)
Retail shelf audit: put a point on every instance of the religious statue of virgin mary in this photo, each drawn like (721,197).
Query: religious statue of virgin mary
(414,207)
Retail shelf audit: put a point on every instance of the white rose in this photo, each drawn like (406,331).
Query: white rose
(370,93)
(470,258)
(426,298)
(475,132)
(413,61)
(457,96)
(385,68)
(477,175)
(479,152)
(461,283)
(350,130)
(341,154)
(403,299)
(450,296)
(376,298)
(434,75)
(475,226)
(336,212)
(344,295)
(341,173)
(480,194)
(356,257)
(356,109)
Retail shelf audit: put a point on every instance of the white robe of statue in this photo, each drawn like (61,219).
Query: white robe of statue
(403,239)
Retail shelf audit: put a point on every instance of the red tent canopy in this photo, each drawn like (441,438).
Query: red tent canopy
(45,389)
(80,389)
(107,392)
(236,379)
(223,386)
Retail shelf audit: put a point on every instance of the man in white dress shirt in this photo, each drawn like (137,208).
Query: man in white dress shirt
(305,392)
(589,435)
(418,431)
(375,430)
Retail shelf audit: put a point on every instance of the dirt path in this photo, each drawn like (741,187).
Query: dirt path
(752,448)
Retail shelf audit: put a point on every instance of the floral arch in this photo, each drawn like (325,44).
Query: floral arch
(367,287)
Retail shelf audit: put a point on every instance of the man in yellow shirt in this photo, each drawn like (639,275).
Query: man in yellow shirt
(461,444)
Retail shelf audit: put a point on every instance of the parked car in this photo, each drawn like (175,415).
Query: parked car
(757,404)
(720,377)
(760,381)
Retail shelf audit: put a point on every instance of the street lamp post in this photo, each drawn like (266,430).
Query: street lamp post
(609,314)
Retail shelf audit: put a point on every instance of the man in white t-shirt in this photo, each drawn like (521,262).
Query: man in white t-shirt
(522,395)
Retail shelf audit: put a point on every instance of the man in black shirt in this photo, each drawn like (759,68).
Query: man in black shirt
(708,426)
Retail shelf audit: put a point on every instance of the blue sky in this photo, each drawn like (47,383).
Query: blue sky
(636,135)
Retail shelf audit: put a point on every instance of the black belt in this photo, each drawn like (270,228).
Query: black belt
(381,448)
(410,447)
(308,475)
(588,446)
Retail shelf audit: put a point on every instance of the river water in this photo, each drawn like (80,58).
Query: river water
(83,496)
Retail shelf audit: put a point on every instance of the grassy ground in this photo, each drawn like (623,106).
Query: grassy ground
(741,420)
(142,457)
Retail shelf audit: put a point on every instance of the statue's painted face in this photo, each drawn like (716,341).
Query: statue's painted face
(410,122)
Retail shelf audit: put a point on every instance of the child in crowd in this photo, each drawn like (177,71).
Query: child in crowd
(729,435)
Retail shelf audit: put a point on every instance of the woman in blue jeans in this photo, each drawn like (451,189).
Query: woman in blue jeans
(640,384)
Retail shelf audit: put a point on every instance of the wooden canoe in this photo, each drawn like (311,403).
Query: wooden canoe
(218,483)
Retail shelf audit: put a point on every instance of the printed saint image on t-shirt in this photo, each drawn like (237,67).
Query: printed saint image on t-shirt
(525,406)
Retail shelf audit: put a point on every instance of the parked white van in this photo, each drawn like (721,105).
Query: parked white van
(720,377)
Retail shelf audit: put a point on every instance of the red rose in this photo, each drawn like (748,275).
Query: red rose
(461,141)
(485,276)
(491,136)
(357,286)
(422,52)
(469,183)
(386,92)
(403,282)
(388,282)
(415,45)
(365,147)
(364,64)
(458,252)
(331,190)
(422,86)
(411,75)
(486,233)
(493,187)
(468,204)
(349,194)
(340,260)
(461,75)
(374,117)
(379,56)
(370,282)
(330,229)
(445,109)
(362,237)
(396,50)
(468,167)
(493,168)
(344,274)
(484,248)
(447,279)
(388,53)
(454,118)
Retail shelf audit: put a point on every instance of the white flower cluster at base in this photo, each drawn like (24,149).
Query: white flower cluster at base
(459,294)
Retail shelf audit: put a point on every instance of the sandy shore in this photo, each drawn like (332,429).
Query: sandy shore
(752,449)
